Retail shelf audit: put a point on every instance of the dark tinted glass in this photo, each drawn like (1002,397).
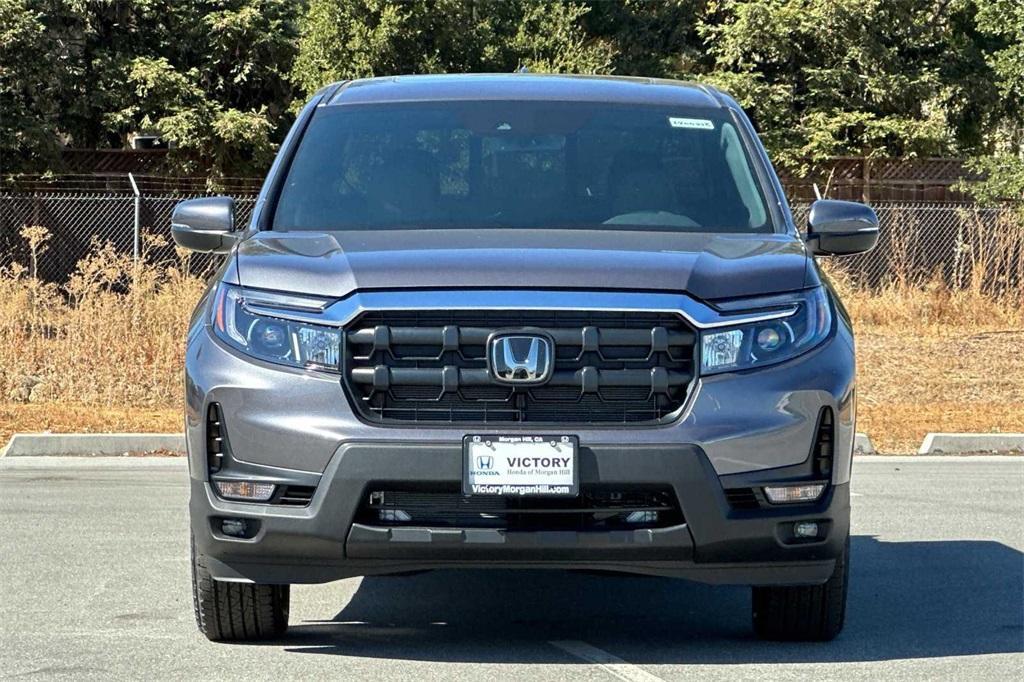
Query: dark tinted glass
(523,165)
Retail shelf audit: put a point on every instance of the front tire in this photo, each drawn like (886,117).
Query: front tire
(812,613)
(237,612)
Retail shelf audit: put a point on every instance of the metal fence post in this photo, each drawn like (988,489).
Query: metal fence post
(138,207)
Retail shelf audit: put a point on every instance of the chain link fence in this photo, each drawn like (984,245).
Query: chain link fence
(961,244)
(78,223)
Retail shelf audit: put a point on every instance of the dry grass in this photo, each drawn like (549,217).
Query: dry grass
(59,417)
(111,337)
(931,358)
(104,353)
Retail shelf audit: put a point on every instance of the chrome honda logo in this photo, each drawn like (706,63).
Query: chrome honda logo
(521,358)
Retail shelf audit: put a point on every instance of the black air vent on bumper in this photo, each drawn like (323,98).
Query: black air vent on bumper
(630,367)
(215,440)
(295,495)
(823,444)
(742,498)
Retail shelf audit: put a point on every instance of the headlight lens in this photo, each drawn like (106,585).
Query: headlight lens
(297,344)
(765,343)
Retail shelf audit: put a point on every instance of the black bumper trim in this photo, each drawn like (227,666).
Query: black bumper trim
(488,544)
(320,542)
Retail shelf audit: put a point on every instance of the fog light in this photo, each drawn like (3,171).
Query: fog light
(394,515)
(790,494)
(249,491)
(805,529)
(236,528)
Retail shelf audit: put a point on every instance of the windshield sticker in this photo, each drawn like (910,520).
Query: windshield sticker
(698,123)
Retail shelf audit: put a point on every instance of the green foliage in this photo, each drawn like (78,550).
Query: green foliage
(1003,179)
(28,108)
(220,77)
(342,40)
(211,75)
(860,77)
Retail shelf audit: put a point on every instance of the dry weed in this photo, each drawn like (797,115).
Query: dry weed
(113,336)
(104,352)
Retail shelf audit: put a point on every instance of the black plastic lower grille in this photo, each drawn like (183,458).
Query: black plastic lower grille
(631,367)
(295,496)
(742,498)
(598,508)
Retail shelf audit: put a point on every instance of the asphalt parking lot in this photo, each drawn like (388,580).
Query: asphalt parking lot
(94,582)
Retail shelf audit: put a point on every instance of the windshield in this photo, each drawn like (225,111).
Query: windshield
(525,164)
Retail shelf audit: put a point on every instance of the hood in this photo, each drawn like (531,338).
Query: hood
(706,266)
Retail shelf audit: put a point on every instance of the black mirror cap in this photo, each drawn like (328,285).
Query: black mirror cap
(841,228)
(205,224)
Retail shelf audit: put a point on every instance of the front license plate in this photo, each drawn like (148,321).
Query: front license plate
(520,465)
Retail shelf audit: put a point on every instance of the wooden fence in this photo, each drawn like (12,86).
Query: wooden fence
(873,180)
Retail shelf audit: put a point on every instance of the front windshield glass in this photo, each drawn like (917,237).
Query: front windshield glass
(523,164)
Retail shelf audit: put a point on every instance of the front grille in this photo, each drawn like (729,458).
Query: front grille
(631,367)
(598,508)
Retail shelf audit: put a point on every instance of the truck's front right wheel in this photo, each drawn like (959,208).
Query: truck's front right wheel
(237,612)
(804,613)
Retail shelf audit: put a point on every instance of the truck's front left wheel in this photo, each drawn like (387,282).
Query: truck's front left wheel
(804,613)
(237,611)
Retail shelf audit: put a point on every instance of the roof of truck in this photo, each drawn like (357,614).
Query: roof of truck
(525,86)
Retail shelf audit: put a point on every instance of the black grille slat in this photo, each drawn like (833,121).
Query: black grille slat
(480,377)
(296,496)
(742,498)
(628,367)
(443,505)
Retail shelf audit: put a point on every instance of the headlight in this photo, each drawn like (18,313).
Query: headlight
(765,343)
(286,342)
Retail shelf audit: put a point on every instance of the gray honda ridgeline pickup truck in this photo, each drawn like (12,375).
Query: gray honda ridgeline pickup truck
(520,321)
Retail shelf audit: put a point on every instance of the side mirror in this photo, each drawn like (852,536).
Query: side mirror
(841,228)
(205,224)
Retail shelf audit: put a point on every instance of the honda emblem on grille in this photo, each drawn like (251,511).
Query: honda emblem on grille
(521,358)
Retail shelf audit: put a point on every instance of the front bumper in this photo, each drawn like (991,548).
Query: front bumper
(717,543)
(739,430)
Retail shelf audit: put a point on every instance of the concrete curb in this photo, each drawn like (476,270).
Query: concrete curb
(862,445)
(50,444)
(960,443)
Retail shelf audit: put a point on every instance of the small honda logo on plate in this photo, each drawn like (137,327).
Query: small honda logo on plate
(521,358)
(484,462)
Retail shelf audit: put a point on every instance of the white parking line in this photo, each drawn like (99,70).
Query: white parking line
(613,665)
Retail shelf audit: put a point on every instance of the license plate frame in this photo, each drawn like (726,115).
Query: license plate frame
(513,483)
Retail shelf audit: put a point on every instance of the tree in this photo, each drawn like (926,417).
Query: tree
(343,40)
(28,106)
(833,77)
(225,104)
(210,75)
(218,77)
(1003,22)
